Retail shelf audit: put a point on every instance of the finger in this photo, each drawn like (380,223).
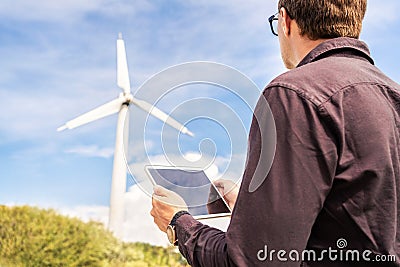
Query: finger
(221,183)
(218,183)
(153,213)
(160,191)
(155,201)
(221,191)
(160,202)
(161,226)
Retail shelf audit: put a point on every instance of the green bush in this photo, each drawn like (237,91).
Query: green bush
(34,237)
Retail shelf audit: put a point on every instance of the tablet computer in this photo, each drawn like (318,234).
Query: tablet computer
(201,196)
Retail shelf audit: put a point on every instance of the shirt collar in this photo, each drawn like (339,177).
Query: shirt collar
(334,45)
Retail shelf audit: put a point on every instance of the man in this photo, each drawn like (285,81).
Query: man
(331,197)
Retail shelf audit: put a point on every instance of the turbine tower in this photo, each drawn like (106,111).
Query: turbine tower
(120,106)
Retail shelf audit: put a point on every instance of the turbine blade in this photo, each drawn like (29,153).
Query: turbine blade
(122,67)
(159,114)
(100,112)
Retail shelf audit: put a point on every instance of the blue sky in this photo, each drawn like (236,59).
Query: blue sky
(58,61)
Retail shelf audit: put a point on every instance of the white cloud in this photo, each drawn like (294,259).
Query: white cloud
(37,115)
(138,225)
(32,153)
(92,151)
(45,9)
(87,213)
(49,10)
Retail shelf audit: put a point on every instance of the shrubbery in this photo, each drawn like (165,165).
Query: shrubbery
(34,237)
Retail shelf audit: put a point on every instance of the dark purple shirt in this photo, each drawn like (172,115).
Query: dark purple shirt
(335,180)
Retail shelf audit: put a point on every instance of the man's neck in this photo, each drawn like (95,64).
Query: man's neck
(302,46)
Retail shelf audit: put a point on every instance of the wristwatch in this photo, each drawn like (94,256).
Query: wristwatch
(171,233)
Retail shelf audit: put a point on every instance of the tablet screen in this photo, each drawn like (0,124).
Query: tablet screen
(193,186)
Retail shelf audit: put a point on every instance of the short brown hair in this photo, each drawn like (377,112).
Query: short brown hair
(318,19)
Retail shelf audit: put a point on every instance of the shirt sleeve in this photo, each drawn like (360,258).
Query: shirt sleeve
(280,213)
(200,244)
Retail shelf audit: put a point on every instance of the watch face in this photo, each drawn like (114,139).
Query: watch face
(171,234)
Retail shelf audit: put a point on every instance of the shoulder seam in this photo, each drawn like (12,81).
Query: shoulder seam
(352,85)
(302,94)
(299,92)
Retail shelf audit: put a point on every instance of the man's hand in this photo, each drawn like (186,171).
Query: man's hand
(229,190)
(165,204)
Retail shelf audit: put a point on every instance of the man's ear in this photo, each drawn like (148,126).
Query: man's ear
(285,22)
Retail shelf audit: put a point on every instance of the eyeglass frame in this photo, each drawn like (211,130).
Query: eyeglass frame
(271,20)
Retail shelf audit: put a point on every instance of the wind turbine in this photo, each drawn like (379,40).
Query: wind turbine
(120,106)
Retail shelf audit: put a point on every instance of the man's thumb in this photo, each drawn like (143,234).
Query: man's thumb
(160,191)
